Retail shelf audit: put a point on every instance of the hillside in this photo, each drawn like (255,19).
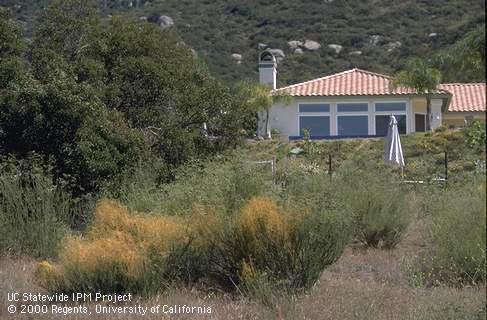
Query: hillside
(373,34)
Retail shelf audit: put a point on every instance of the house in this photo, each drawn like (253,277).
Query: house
(467,103)
(358,103)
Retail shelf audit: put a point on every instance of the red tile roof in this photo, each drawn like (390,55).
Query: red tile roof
(355,82)
(466,96)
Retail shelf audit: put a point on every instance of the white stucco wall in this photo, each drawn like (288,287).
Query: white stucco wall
(268,74)
(435,115)
(285,118)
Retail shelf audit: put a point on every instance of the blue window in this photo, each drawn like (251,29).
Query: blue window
(352,107)
(318,126)
(395,106)
(353,126)
(314,107)
(382,124)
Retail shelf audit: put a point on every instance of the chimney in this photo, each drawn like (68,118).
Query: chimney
(268,69)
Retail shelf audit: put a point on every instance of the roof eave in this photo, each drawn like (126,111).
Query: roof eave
(433,96)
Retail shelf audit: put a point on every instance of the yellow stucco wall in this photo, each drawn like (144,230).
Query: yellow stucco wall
(419,105)
(457,119)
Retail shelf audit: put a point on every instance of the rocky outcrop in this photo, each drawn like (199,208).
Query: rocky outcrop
(237,57)
(278,53)
(165,21)
(374,39)
(391,46)
(311,45)
(336,47)
(295,44)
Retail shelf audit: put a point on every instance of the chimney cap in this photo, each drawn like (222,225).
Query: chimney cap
(267,56)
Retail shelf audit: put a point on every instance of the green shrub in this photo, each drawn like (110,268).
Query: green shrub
(219,183)
(289,247)
(475,135)
(379,206)
(459,234)
(34,213)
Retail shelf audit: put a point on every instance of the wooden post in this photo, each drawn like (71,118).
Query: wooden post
(329,165)
(446,167)
(273,164)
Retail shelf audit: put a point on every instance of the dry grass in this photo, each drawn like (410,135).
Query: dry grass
(362,284)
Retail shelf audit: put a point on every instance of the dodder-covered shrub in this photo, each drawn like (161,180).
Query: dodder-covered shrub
(125,251)
(121,252)
(289,248)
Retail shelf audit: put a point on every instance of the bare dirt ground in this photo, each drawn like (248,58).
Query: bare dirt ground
(363,284)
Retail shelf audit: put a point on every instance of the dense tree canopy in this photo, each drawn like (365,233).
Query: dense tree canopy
(97,98)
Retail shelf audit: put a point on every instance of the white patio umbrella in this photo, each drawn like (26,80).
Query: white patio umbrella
(393,151)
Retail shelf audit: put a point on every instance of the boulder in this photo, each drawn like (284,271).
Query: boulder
(391,46)
(298,51)
(237,57)
(311,45)
(296,150)
(262,46)
(355,53)
(165,21)
(374,39)
(278,53)
(338,48)
(295,44)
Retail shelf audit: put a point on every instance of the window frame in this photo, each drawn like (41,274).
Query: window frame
(352,112)
(342,114)
(392,113)
(314,114)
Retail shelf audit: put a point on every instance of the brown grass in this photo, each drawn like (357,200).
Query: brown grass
(363,284)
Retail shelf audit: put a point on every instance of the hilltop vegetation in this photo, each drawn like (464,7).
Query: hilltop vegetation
(378,35)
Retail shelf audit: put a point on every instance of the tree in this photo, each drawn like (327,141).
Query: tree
(419,75)
(159,85)
(70,38)
(465,60)
(97,98)
(58,116)
(12,50)
(261,98)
